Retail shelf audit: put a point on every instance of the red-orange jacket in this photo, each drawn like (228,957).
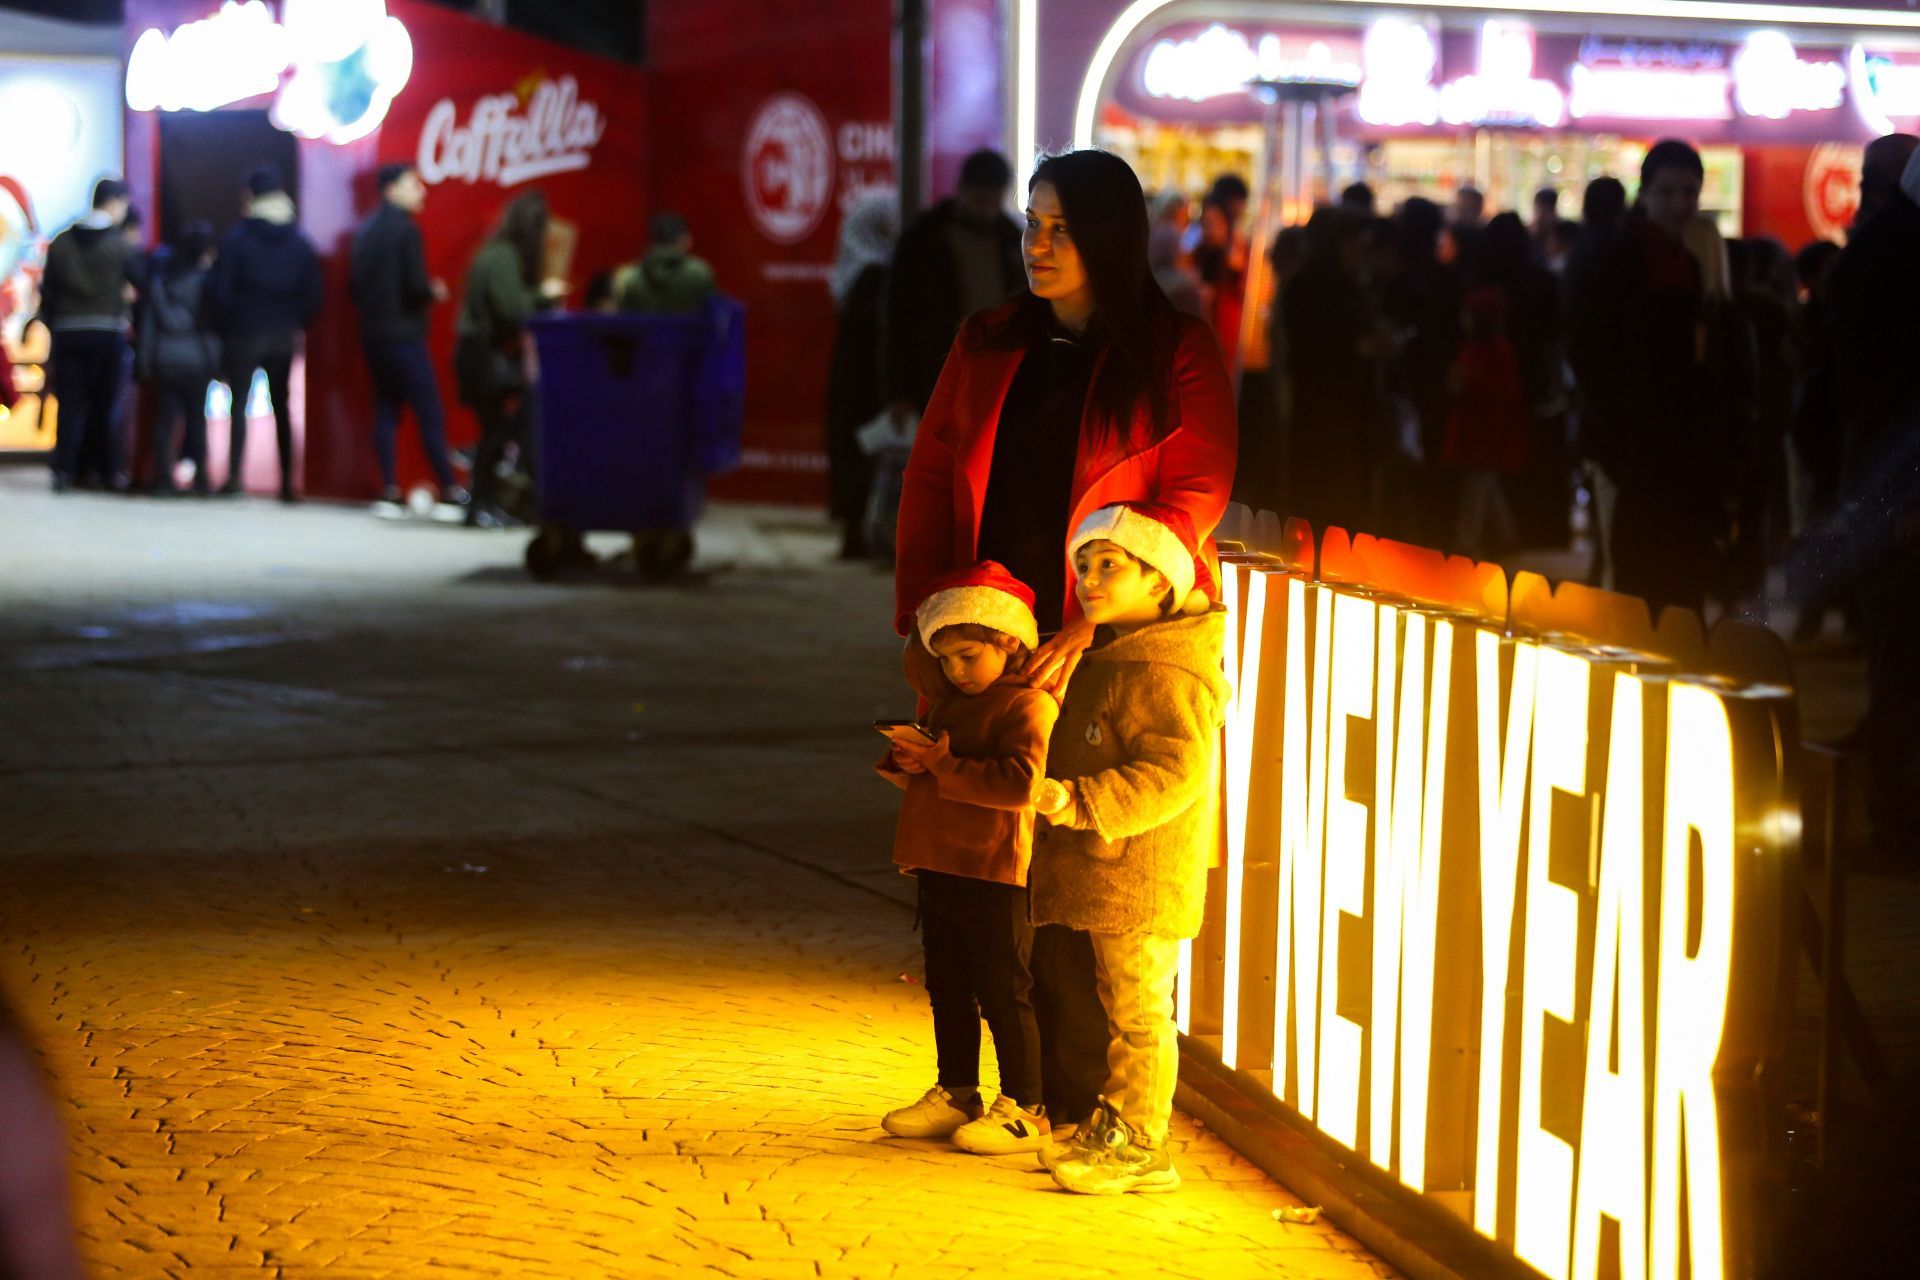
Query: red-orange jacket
(945,486)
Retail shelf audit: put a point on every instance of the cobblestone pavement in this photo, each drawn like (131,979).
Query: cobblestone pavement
(380,913)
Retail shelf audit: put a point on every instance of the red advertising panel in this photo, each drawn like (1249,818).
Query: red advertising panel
(771,119)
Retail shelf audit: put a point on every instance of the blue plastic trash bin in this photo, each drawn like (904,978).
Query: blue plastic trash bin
(636,411)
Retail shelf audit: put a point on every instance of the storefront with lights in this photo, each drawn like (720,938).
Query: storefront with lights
(1779,98)
(190,95)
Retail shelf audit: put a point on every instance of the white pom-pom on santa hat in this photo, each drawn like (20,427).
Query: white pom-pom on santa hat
(984,594)
(1160,535)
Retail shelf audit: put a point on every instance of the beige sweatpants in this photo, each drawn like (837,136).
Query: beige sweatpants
(1136,973)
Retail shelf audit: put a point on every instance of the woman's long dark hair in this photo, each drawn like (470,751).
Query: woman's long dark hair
(1106,211)
(524,226)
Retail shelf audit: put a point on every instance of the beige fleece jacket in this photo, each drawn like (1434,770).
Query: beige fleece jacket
(1136,735)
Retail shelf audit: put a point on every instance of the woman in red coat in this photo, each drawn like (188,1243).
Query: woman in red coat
(1086,390)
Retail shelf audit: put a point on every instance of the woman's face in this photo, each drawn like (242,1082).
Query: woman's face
(1054,269)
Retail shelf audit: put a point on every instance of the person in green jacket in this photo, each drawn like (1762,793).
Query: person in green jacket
(490,361)
(669,279)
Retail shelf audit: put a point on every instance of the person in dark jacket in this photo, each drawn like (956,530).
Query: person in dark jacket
(1331,330)
(394,293)
(854,394)
(84,297)
(1533,323)
(1876,333)
(503,289)
(1422,306)
(1655,418)
(959,257)
(264,291)
(179,355)
(669,280)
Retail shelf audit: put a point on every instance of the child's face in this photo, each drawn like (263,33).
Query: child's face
(969,665)
(1114,588)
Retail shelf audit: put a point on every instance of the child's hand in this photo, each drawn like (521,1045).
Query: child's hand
(924,755)
(1055,801)
(904,762)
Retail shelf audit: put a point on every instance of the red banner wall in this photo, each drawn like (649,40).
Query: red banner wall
(771,116)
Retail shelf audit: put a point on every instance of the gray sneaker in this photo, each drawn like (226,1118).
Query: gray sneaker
(1118,1170)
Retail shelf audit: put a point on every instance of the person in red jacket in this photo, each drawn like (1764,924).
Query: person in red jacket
(1086,390)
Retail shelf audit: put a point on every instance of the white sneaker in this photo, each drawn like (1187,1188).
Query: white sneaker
(936,1115)
(1005,1128)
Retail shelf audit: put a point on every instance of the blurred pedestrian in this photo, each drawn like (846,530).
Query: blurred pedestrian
(85,295)
(1421,306)
(1176,277)
(1557,251)
(958,258)
(395,293)
(1813,585)
(1040,399)
(1876,333)
(1488,427)
(492,356)
(36,1213)
(180,355)
(1357,198)
(668,280)
(1533,322)
(264,291)
(1655,425)
(1466,221)
(1220,259)
(1764,298)
(855,394)
(1331,331)
(1546,216)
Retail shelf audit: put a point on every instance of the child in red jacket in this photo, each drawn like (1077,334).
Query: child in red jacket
(1486,427)
(966,835)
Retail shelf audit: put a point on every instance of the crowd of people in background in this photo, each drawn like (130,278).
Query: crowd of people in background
(1722,415)
(200,311)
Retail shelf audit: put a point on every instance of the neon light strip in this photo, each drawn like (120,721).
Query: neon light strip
(1026,76)
(1695,12)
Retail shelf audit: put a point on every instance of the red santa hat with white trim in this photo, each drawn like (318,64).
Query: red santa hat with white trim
(984,594)
(1160,535)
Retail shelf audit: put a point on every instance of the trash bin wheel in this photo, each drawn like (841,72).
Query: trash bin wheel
(659,554)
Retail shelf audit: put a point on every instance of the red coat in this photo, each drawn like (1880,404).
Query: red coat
(945,486)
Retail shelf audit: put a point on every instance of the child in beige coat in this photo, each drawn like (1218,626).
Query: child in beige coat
(1132,820)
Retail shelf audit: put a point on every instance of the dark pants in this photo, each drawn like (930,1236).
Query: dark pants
(403,376)
(89,367)
(978,945)
(180,399)
(505,413)
(272,353)
(1073,1023)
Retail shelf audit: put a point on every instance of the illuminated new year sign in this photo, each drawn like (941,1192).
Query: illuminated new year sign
(1502,914)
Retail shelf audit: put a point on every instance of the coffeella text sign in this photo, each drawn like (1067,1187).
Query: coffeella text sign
(1502,914)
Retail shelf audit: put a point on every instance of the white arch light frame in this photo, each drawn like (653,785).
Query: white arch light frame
(1025,52)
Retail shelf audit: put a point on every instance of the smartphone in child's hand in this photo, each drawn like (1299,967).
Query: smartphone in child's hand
(906,730)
